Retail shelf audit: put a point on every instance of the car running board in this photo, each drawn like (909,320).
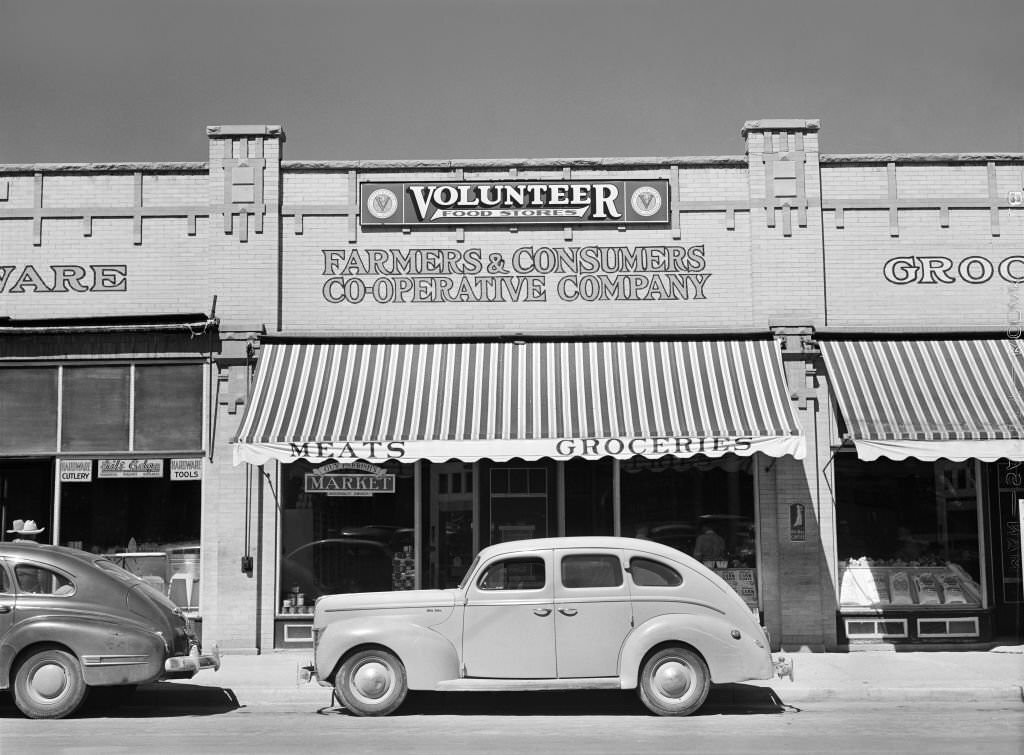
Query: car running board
(470,684)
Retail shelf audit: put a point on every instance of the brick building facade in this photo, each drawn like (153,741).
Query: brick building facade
(883,290)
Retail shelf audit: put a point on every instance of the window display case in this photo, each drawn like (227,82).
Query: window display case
(894,602)
(863,585)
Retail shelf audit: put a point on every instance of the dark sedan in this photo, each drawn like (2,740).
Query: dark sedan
(73,624)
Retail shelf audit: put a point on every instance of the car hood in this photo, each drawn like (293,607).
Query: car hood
(386,600)
(423,607)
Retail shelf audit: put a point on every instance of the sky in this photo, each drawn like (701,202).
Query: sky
(139,80)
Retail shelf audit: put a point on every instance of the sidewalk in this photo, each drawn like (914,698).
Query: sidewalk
(963,676)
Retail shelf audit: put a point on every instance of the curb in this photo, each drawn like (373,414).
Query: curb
(726,696)
(1007,694)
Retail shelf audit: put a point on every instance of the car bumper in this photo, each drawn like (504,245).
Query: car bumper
(187,666)
(308,674)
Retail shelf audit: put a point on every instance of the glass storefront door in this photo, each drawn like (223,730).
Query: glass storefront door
(451,522)
(519,502)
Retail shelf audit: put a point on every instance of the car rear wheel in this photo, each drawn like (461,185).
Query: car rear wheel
(674,682)
(49,684)
(371,682)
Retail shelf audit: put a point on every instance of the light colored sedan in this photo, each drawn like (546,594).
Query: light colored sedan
(550,614)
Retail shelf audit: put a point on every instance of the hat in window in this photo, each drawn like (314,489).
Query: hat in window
(22,527)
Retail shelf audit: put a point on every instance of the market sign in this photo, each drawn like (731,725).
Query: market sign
(130,468)
(76,470)
(358,480)
(458,203)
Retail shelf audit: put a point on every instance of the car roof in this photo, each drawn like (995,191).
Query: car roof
(590,541)
(57,555)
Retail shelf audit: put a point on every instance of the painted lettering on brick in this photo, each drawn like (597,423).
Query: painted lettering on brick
(28,279)
(528,274)
(933,270)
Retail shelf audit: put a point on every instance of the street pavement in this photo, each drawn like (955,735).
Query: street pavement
(970,676)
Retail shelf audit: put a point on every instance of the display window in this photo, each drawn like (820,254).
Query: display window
(144,515)
(703,507)
(345,528)
(588,497)
(908,533)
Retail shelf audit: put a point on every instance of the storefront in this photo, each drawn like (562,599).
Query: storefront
(803,369)
(926,422)
(400,460)
(109,441)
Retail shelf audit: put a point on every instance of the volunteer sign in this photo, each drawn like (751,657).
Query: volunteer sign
(457,203)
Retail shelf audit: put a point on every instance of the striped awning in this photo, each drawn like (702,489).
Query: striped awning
(930,399)
(503,400)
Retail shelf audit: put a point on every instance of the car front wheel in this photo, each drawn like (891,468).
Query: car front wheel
(371,682)
(49,684)
(674,682)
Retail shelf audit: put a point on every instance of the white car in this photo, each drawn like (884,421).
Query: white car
(550,614)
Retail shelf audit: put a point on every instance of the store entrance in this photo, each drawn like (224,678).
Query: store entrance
(26,492)
(451,522)
(1004,523)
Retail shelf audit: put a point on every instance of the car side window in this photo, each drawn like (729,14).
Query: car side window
(514,574)
(41,581)
(5,585)
(591,570)
(649,573)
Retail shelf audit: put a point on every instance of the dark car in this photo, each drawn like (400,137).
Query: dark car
(73,624)
(338,565)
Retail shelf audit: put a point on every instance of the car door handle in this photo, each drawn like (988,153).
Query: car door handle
(568,611)
(542,611)
(5,609)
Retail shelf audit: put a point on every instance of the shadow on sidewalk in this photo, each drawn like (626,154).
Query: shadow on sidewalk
(724,699)
(157,700)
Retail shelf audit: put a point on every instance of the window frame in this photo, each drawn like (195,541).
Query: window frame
(51,572)
(649,559)
(479,582)
(619,570)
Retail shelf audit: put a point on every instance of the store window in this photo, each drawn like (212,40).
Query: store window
(96,408)
(703,507)
(28,410)
(143,517)
(588,497)
(519,502)
(345,528)
(168,407)
(907,532)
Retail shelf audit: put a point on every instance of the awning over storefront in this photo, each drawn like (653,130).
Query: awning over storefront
(930,399)
(502,400)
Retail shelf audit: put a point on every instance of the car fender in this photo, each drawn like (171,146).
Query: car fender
(728,659)
(429,657)
(109,653)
